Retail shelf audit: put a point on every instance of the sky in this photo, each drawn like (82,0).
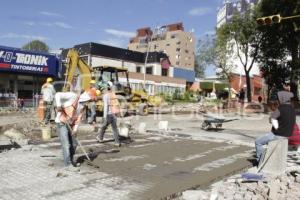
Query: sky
(65,23)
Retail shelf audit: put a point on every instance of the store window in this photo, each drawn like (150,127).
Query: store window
(138,69)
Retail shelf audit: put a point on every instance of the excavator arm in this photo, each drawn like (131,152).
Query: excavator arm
(75,62)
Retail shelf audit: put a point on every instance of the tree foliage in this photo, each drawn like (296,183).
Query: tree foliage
(199,69)
(241,38)
(212,53)
(280,42)
(36,45)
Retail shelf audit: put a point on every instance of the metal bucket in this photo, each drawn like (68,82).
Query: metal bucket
(46,133)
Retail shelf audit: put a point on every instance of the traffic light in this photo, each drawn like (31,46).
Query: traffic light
(273,19)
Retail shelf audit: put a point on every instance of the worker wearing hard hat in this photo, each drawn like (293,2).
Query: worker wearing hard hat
(111,108)
(92,105)
(48,93)
(70,108)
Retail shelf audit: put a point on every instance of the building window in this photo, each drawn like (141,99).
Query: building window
(178,49)
(177,63)
(138,69)
(164,72)
(178,43)
(149,70)
(167,44)
(173,36)
(177,57)
(186,51)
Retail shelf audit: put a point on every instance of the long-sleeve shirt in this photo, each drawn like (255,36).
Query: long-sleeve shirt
(48,92)
(71,110)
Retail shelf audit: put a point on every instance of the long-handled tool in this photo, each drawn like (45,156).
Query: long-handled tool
(81,147)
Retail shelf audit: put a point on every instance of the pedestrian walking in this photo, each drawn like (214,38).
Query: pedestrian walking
(111,108)
(282,119)
(241,97)
(70,108)
(48,93)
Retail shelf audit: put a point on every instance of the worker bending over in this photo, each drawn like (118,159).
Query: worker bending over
(70,107)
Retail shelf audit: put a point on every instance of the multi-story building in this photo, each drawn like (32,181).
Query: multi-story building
(226,11)
(157,77)
(172,40)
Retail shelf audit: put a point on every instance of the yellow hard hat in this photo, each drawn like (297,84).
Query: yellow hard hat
(92,82)
(98,92)
(49,80)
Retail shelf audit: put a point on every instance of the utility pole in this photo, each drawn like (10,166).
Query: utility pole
(147,54)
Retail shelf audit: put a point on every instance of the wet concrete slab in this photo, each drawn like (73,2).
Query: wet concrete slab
(167,167)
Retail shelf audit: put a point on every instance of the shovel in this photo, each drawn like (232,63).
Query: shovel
(81,147)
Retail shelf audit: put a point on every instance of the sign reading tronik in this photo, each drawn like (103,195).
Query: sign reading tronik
(15,60)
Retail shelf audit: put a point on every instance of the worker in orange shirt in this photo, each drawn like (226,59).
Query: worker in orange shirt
(92,105)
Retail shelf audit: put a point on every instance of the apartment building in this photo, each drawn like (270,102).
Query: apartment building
(170,39)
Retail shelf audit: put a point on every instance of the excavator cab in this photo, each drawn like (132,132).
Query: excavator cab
(114,74)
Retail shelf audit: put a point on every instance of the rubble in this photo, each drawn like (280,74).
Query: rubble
(283,186)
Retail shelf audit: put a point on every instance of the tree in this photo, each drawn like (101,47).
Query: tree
(281,41)
(242,39)
(199,69)
(36,45)
(213,51)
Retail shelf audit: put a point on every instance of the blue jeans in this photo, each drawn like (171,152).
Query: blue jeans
(68,143)
(259,142)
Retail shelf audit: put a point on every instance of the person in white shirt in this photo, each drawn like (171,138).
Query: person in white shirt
(48,93)
(70,108)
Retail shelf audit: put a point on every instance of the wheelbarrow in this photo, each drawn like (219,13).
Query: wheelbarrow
(210,120)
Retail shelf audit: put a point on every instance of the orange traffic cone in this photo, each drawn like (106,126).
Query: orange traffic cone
(41,110)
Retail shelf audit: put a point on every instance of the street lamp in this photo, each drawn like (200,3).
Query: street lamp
(147,53)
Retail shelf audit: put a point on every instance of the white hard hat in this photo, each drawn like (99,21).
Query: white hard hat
(84,97)
(110,84)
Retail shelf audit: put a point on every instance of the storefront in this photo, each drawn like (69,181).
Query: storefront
(22,73)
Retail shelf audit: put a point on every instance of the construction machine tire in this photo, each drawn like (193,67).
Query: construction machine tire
(143,109)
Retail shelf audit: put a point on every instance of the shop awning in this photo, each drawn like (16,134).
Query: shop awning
(210,85)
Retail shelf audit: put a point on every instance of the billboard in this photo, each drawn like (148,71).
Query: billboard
(27,62)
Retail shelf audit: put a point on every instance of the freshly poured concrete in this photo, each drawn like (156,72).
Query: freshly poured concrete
(168,167)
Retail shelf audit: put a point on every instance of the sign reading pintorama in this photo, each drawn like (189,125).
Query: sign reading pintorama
(19,61)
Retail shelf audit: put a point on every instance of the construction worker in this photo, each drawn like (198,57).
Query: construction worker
(92,105)
(70,108)
(111,108)
(48,93)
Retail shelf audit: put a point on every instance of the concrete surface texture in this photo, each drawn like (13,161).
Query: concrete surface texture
(152,165)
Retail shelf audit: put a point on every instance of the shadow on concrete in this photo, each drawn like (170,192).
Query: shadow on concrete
(14,145)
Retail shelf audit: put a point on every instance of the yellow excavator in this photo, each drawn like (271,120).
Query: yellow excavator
(131,101)
(73,64)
